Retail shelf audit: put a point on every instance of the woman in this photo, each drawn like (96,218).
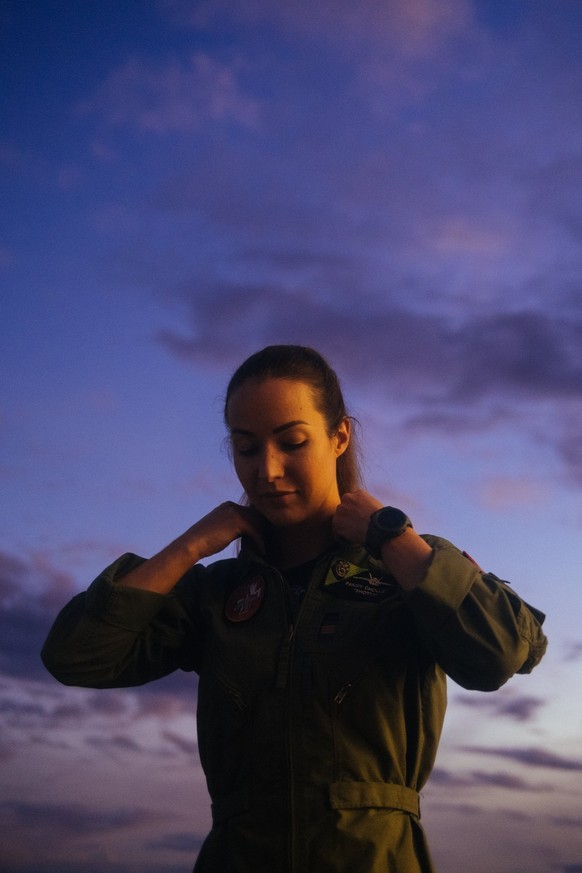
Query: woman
(322,648)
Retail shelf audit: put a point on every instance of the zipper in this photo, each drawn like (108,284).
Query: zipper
(349,686)
(284,663)
(232,693)
(343,693)
(283,666)
(237,698)
(284,682)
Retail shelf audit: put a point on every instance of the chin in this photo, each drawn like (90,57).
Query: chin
(283,516)
(282,519)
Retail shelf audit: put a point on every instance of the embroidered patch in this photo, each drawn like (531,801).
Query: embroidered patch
(341,570)
(245,601)
(359,584)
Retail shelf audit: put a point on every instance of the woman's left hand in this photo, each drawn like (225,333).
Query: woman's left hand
(407,557)
(352,516)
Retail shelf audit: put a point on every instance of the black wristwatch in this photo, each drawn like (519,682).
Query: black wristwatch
(385,524)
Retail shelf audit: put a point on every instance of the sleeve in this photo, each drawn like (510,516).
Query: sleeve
(114,636)
(479,630)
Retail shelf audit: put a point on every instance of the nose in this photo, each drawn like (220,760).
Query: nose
(270,465)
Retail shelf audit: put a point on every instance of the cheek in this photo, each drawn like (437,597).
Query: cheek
(320,470)
(242,471)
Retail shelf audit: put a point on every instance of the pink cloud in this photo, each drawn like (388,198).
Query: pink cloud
(416,27)
(460,236)
(174,97)
(513,491)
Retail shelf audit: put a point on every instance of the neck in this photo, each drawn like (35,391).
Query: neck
(290,546)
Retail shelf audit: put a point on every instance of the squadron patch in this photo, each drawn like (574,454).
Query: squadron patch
(350,582)
(341,570)
(245,601)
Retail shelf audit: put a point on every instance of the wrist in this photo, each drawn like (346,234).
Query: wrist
(407,558)
(385,525)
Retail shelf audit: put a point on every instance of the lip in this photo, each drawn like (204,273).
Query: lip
(276,495)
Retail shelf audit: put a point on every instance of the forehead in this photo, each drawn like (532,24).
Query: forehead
(269,403)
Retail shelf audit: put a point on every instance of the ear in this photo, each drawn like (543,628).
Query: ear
(342,437)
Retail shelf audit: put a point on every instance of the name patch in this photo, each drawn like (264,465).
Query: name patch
(350,582)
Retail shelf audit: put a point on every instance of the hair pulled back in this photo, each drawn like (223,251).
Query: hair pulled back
(304,364)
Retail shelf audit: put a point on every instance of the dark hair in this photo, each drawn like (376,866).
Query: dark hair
(305,365)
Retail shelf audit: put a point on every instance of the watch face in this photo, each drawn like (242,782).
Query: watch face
(390,518)
(385,524)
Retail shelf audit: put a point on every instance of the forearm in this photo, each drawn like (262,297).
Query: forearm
(125,630)
(408,558)
(480,631)
(161,572)
(213,533)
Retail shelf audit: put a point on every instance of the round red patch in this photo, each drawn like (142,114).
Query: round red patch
(245,601)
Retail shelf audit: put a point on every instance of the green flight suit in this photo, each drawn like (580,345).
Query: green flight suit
(317,728)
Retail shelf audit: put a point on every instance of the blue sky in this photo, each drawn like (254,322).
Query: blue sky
(396,183)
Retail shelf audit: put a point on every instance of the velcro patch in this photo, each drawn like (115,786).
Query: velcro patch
(349,582)
(245,601)
(329,624)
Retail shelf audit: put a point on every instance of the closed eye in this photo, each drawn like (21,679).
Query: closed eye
(247,453)
(292,447)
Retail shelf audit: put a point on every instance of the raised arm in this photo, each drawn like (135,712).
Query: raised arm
(138,620)
(213,533)
(478,629)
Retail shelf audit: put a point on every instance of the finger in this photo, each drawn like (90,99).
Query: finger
(253,528)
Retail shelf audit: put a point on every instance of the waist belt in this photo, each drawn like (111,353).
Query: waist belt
(386,795)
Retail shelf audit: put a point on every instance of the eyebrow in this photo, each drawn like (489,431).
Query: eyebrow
(279,429)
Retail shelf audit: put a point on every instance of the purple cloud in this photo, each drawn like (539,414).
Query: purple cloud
(114,743)
(180,842)
(515,706)
(185,746)
(532,757)
(66,819)
(565,821)
(427,357)
(484,779)
(29,594)
(506,780)
(427,249)
(447,778)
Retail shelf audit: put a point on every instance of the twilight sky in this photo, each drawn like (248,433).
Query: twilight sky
(396,182)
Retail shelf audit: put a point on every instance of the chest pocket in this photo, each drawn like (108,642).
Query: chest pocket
(351,641)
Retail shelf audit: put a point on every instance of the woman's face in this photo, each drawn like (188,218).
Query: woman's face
(283,456)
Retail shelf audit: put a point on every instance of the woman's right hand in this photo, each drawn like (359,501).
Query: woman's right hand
(224,524)
(211,534)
